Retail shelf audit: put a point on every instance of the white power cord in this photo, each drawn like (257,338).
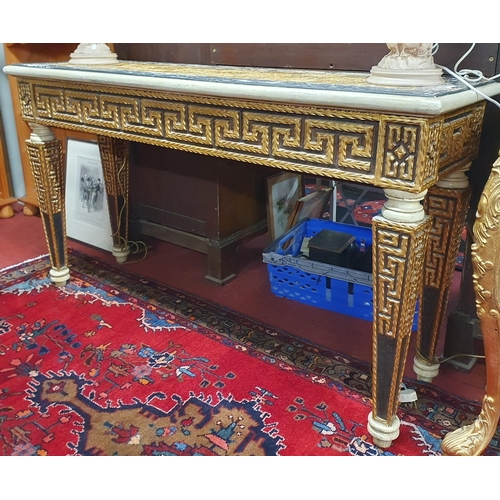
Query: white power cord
(468,76)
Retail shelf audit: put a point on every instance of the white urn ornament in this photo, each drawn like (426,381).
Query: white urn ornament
(407,64)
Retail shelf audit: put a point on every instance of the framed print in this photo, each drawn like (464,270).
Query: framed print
(87,216)
(311,206)
(283,191)
(357,204)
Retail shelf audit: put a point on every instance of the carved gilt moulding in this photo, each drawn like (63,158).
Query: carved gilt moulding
(382,149)
(472,439)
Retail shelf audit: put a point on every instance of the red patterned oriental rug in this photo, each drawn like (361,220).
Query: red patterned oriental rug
(114,364)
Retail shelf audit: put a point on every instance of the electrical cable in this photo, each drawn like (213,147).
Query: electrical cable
(443,360)
(123,241)
(440,361)
(468,76)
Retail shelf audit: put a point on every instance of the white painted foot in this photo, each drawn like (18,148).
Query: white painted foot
(425,371)
(59,277)
(121,254)
(383,435)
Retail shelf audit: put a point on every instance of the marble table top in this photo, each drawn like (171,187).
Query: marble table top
(310,87)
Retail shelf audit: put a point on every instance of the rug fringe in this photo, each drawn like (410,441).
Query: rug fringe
(24,262)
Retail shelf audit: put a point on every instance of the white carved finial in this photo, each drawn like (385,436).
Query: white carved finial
(407,64)
(93,53)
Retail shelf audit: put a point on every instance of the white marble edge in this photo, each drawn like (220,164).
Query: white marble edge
(431,105)
(451,102)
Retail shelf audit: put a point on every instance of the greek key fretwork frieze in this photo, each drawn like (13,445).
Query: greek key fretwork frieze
(461,135)
(398,260)
(276,138)
(388,151)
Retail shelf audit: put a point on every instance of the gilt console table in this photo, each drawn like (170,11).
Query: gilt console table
(414,142)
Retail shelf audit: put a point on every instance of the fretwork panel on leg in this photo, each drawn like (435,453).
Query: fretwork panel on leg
(447,208)
(398,255)
(46,162)
(115,166)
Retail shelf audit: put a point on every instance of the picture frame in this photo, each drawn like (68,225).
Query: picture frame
(283,191)
(311,206)
(357,204)
(87,215)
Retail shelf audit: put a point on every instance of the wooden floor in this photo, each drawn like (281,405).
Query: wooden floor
(21,238)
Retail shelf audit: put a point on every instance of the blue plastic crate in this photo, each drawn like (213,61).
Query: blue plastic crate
(338,289)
